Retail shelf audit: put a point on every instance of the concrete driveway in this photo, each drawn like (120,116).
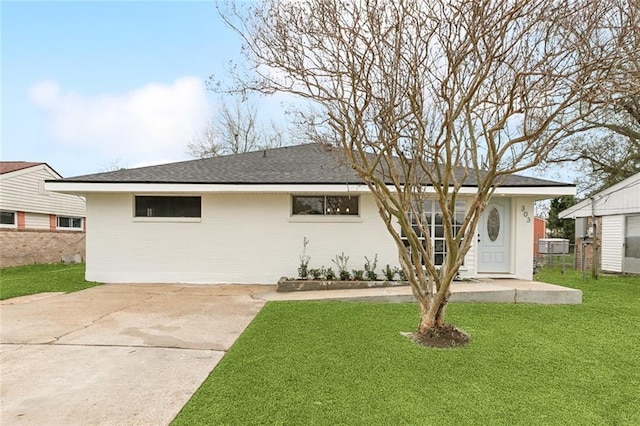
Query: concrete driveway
(115,354)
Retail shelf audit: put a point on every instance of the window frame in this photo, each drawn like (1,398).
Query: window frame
(134,207)
(326,211)
(71,219)
(15,219)
(436,237)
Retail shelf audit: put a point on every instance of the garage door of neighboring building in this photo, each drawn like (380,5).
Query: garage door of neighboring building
(631,263)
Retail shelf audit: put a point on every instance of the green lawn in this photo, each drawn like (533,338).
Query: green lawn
(346,363)
(32,279)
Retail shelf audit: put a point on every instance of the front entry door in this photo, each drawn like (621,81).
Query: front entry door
(494,237)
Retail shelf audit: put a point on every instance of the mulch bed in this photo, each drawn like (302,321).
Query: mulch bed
(446,336)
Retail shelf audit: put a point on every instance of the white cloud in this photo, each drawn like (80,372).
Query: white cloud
(45,92)
(145,125)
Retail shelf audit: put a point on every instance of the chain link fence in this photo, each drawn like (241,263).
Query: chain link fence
(564,255)
(554,252)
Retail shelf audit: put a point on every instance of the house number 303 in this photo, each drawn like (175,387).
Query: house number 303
(525,213)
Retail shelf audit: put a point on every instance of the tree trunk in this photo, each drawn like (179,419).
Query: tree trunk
(433,316)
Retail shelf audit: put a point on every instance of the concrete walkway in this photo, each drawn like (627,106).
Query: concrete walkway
(485,291)
(115,354)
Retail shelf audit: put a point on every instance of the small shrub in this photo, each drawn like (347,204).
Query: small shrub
(303,272)
(341,262)
(329,274)
(303,269)
(402,275)
(389,272)
(316,273)
(370,268)
(399,272)
(358,274)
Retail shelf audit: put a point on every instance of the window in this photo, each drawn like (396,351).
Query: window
(325,205)
(632,238)
(433,217)
(69,222)
(7,219)
(160,206)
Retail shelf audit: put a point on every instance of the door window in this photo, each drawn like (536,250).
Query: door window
(493,224)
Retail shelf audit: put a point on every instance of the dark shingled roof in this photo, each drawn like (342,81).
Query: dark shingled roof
(300,164)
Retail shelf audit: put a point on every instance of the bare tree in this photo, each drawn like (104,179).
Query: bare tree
(427,98)
(112,165)
(235,129)
(602,159)
(620,94)
(609,148)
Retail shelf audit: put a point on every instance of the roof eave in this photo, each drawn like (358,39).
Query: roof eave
(80,187)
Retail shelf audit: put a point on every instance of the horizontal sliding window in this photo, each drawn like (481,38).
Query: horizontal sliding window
(327,205)
(168,206)
(69,222)
(7,218)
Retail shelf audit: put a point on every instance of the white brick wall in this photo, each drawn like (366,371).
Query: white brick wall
(248,238)
(522,238)
(241,238)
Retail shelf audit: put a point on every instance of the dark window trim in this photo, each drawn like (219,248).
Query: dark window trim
(15,219)
(326,210)
(71,219)
(161,206)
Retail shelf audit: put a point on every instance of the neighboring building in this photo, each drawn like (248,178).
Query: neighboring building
(617,215)
(37,226)
(242,219)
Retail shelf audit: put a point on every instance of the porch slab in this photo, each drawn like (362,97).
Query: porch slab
(541,293)
(485,291)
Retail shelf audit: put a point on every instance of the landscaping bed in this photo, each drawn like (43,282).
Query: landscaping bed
(286,285)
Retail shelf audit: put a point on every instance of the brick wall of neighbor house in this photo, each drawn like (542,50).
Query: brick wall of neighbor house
(587,248)
(27,246)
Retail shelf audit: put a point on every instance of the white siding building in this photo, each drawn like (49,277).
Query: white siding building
(617,213)
(38,226)
(25,204)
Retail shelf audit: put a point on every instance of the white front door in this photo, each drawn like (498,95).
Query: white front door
(494,237)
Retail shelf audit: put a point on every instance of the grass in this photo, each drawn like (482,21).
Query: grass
(346,363)
(32,279)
